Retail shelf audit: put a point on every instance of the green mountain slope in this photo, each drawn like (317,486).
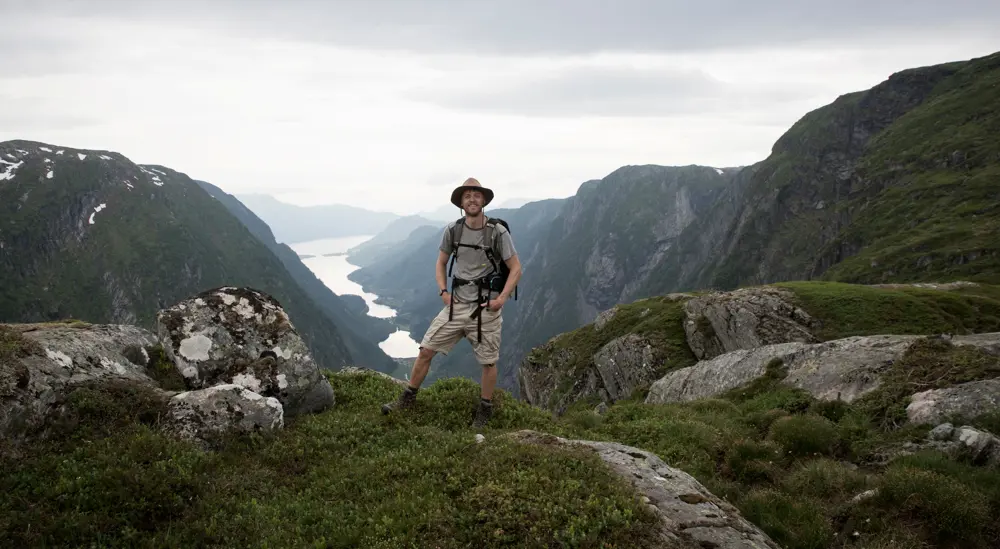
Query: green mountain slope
(893,184)
(361,333)
(384,242)
(90,235)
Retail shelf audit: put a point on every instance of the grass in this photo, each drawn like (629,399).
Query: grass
(350,477)
(853,309)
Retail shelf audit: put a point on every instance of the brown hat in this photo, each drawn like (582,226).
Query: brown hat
(470,183)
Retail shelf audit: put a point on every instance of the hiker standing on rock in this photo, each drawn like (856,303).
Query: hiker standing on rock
(485,270)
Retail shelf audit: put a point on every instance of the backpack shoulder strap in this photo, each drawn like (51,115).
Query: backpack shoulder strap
(456,235)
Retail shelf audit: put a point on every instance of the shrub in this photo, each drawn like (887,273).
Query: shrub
(805,435)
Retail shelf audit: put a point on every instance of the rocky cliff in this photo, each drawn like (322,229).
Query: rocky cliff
(93,236)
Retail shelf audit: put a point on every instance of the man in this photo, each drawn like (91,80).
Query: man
(472,311)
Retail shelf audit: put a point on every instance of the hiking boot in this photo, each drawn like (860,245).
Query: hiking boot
(405,401)
(483,414)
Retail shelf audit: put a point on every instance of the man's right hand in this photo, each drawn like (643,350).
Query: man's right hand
(446,297)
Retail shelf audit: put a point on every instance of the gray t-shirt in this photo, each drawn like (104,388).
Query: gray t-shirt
(472,263)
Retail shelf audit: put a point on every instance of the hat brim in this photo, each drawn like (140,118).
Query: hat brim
(456,195)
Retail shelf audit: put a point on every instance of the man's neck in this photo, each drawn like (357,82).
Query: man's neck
(475,222)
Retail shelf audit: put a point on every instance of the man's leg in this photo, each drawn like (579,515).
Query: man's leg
(489,381)
(487,354)
(441,336)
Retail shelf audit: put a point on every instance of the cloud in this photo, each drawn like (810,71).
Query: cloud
(611,90)
(548,27)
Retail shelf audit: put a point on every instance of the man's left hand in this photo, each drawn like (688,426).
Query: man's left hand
(497,304)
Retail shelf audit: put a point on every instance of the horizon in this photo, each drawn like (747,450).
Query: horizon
(388,107)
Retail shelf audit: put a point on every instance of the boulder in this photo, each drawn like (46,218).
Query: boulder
(204,414)
(968,400)
(690,515)
(722,322)
(841,369)
(357,370)
(41,363)
(965,443)
(242,336)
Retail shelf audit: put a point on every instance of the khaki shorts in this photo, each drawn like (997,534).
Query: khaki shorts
(443,334)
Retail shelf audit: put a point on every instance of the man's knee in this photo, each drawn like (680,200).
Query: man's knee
(426,353)
(490,365)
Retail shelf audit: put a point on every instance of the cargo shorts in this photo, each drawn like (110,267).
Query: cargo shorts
(443,334)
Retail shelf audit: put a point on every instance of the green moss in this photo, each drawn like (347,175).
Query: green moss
(658,319)
(13,347)
(162,370)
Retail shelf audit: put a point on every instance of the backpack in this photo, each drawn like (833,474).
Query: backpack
(496,280)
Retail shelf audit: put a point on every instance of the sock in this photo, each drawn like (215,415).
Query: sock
(412,390)
(486,401)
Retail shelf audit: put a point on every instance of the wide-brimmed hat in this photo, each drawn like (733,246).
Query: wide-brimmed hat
(473,184)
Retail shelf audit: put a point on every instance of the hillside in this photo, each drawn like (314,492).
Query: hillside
(761,466)
(91,235)
(892,184)
(361,333)
(293,224)
(383,243)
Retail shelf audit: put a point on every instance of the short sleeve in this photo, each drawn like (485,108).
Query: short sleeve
(507,245)
(446,240)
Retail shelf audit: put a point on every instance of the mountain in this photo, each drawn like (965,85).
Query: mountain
(399,230)
(361,333)
(892,184)
(91,235)
(895,183)
(293,224)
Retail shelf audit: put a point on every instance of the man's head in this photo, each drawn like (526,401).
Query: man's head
(471,196)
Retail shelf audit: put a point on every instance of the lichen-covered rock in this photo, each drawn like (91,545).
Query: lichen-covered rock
(40,363)
(225,335)
(969,400)
(966,443)
(204,414)
(625,364)
(690,515)
(722,322)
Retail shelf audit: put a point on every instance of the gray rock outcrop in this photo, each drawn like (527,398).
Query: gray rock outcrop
(203,414)
(219,337)
(722,322)
(965,443)
(625,364)
(967,400)
(690,515)
(52,358)
(842,369)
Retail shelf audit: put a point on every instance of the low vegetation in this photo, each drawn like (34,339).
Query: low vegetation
(351,477)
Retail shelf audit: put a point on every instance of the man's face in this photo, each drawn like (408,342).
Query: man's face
(472,202)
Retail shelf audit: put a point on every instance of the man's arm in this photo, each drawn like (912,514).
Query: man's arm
(440,272)
(514,264)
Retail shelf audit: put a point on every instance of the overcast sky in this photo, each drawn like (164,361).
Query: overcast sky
(389,104)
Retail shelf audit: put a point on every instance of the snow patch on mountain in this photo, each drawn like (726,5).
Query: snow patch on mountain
(96,211)
(8,172)
(81,155)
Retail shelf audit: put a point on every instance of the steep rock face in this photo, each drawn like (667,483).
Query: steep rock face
(93,236)
(829,201)
(690,515)
(721,322)
(625,364)
(843,369)
(219,335)
(40,363)
(970,400)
